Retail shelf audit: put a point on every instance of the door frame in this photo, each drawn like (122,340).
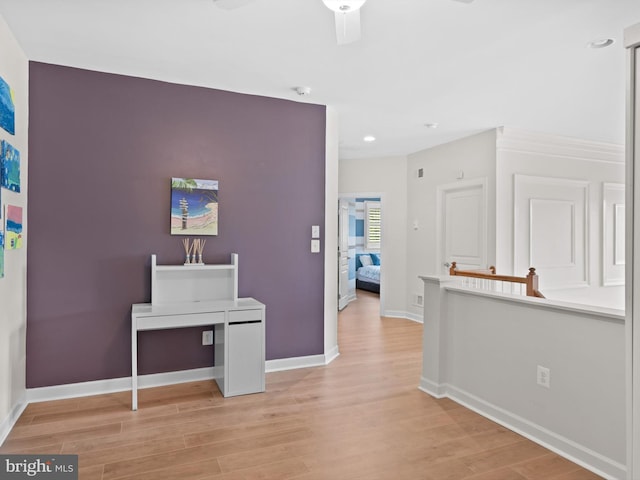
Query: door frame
(342,201)
(441,192)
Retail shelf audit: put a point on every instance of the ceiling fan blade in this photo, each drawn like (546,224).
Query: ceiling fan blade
(231,4)
(348,27)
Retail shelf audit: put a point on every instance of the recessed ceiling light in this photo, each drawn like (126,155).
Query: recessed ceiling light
(431,125)
(601,43)
(369,138)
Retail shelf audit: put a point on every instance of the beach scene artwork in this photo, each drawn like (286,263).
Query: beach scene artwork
(13,231)
(9,167)
(7,108)
(194,206)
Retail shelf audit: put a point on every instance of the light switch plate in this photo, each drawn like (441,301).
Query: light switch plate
(315,231)
(315,246)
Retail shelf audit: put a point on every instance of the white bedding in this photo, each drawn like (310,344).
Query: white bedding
(370,273)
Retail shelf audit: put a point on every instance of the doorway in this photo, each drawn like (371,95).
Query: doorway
(359,246)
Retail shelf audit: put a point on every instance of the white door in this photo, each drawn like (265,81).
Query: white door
(343,253)
(462,225)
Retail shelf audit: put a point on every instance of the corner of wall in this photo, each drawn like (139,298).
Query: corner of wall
(14,70)
(331,234)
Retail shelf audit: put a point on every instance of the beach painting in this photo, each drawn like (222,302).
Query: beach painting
(9,167)
(7,108)
(13,231)
(194,206)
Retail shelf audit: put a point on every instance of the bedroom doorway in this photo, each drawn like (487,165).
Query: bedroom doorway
(359,246)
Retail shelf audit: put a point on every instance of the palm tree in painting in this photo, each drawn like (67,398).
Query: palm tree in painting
(187,185)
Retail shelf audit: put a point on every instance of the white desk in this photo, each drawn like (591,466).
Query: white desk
(238,339)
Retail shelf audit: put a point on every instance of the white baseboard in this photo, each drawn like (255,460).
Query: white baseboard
(434,389)
(98,387)
(122,384)
(8,423)
(579,454)
(331,355)
(280,364)
(401,314)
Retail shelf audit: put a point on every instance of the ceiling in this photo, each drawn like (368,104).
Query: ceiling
(467,67)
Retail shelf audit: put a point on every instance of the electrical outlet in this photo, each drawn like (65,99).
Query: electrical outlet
(544,377)
(207,337)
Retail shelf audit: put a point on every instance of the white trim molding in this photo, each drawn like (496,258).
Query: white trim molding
(414,317)
(122,384)
(8,423)
(511,139)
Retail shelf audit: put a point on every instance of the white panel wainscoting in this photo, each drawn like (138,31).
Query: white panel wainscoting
(613,224)
(482,349)
(552,230)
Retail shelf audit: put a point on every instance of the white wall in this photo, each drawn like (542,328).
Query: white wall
(14,70)
(488,347)
(386,177)
(540,160)
(475,156)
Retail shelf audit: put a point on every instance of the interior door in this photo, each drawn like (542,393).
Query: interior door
(343,253)
(463,226)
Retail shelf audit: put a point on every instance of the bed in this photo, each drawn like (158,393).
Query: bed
(368,272)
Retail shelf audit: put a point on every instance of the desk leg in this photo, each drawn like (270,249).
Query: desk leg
(134,365)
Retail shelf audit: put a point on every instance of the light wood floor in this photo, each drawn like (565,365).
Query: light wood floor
(361,417)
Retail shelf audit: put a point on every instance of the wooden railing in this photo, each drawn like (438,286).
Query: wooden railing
(531,280)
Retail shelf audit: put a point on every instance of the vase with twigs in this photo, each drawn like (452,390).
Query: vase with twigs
(187,251)
(198,245)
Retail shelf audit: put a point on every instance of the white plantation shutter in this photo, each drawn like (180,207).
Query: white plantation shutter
(372,225)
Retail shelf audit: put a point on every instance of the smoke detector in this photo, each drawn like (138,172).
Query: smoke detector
(302,91)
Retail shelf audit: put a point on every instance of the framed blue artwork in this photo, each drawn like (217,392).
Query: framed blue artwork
(7,108)
(9,167)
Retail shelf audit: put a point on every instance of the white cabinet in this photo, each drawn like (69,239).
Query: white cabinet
(246,352)
(206,295)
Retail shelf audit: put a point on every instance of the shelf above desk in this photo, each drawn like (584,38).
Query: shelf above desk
(193,283)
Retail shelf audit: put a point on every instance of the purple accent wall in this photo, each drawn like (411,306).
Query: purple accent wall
(102,151)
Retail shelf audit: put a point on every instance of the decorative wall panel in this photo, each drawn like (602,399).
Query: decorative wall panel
(613,222)
(551,230)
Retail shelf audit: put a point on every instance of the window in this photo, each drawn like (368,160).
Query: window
(372,225)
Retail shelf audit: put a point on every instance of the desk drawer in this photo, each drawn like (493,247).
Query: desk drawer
(245,316)
(179,321)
